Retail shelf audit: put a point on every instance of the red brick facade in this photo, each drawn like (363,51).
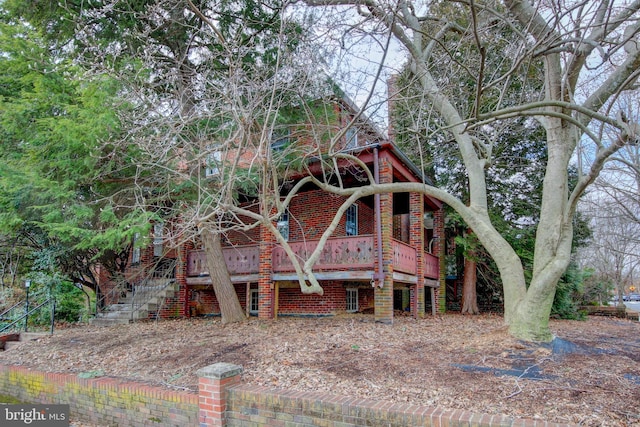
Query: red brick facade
(402,227)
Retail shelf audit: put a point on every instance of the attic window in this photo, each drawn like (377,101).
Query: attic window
(212,167)
(158,237)
(135,255)
(351,137)
(280,138)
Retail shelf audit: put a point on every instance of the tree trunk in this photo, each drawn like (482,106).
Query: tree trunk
(225,292)
(469,295)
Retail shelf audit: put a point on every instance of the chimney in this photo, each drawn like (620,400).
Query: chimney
(392,92)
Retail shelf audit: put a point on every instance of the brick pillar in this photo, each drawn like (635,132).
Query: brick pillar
(213,381)
(416,240)
(438,249)
(383,306)
(266,292)
(392,95)
(181,278)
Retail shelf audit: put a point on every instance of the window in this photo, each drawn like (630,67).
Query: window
(135,255)
(352,300)
(352,220)
(253,301)
(351,137)
(283,225)
(280,138)
(212,167)
(158,229)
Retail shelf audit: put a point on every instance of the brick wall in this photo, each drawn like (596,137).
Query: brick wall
(252,405)
(292,301)
(223,400)
(226,402)
(102,401)
(311,212)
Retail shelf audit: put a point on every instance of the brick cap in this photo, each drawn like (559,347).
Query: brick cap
(220,371)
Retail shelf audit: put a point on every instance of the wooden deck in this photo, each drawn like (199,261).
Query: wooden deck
(347,254)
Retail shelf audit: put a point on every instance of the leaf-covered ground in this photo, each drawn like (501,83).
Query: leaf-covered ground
(591,376)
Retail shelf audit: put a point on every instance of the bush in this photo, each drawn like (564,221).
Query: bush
(569,295)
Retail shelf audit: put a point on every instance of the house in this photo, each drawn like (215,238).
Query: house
(383,258)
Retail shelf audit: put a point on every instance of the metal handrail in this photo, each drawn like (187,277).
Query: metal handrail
(140,294)
(166,275)
(5,314)
(109,296)
(49,301)
(138,299)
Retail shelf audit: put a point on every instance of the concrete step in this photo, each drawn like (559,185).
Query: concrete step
(146,299)
(24,336)
(104,321)
(11,345)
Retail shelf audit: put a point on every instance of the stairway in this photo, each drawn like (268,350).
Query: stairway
(14,340)
(139,304)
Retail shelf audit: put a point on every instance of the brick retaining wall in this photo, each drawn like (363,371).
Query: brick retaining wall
(223,400)
(250,405)
(102,401)
(246,405)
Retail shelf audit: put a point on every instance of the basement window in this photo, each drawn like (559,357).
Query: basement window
(253,301)
(352,300)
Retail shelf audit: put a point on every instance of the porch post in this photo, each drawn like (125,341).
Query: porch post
(438,249)
(383,306)
(181,278)
(416,240)
(265,285)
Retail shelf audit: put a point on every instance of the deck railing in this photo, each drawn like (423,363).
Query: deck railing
(340,253)
(355,252)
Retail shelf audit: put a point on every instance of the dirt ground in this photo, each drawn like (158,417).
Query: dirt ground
(590,377)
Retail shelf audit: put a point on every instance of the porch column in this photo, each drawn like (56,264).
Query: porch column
(266,294)
(181,278)
(383,308)
(438,250)
(416,240)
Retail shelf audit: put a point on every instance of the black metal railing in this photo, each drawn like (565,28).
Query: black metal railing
(145,292)
(138,294)
(21,322)
(10,314)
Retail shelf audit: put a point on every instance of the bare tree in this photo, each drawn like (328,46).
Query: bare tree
(614,249)
(216,99)
(587,57)
(613,207)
